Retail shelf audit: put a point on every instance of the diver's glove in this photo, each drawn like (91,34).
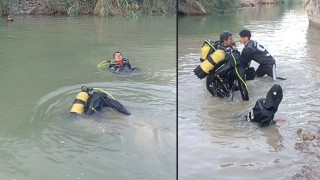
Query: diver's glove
(228,49)
(127,63)
(117,70)
(234,46)
(251,70)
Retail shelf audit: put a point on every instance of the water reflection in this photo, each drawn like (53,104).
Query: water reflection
(261,13)
(274,138)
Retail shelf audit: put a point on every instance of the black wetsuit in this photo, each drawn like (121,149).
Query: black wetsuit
(98,100)
(265,108)
(232,60)
(219,45)
(229,61)
(255,51)
(125,68)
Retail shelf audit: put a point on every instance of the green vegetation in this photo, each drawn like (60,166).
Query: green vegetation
(207,6)
(202,7)
(4,6)
(94,7)
(223,6)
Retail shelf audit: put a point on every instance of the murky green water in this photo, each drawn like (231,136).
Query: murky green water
(44,62)
(215,142)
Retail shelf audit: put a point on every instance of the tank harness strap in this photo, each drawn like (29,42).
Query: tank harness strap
(93,109)
(235,67)
(208,42)
(209,58)
(219,78)
(79,101)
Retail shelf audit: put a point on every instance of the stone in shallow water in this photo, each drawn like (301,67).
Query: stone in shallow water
(308,136)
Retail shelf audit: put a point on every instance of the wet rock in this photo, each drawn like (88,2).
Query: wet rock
(304,136)
(299,138)
(313,11)
(248,3)
(270,1)
(307,136)
(318,134)
(299,131)
(27,7)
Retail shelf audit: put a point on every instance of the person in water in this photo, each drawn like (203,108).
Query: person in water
(120,63)
(9,18)
(265,108)
(93,100)
(254,51)
(225,41)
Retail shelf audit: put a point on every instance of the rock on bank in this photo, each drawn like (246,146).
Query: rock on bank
(313,11)
(29,6)
(203,7)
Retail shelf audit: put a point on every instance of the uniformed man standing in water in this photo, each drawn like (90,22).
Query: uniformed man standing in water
(254,51)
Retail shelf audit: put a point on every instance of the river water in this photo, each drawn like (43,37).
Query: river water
(44,62)
(214,140)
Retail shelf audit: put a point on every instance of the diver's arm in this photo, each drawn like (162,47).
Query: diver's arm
(266,121)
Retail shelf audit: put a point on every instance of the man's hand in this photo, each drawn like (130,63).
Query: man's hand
(280,120)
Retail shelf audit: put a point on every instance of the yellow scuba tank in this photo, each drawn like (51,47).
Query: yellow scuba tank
(79,103)
(205,50)
(208,64)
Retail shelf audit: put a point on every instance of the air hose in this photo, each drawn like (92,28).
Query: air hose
(235,64)
(98,89)
(210,44)
(101,90)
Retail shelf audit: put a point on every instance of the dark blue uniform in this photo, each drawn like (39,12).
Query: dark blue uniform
(255,51)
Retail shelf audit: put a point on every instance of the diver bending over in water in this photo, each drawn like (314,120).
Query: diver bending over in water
(265,108)
(93,100)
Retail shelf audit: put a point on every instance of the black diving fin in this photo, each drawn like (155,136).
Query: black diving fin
(116,105)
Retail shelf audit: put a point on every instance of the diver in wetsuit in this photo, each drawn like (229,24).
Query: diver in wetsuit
(265,108)
(213,54)
(120,64)
(224,42)
(232,54)
(93,100)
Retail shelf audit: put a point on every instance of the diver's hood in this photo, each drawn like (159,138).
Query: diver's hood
(273,98)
